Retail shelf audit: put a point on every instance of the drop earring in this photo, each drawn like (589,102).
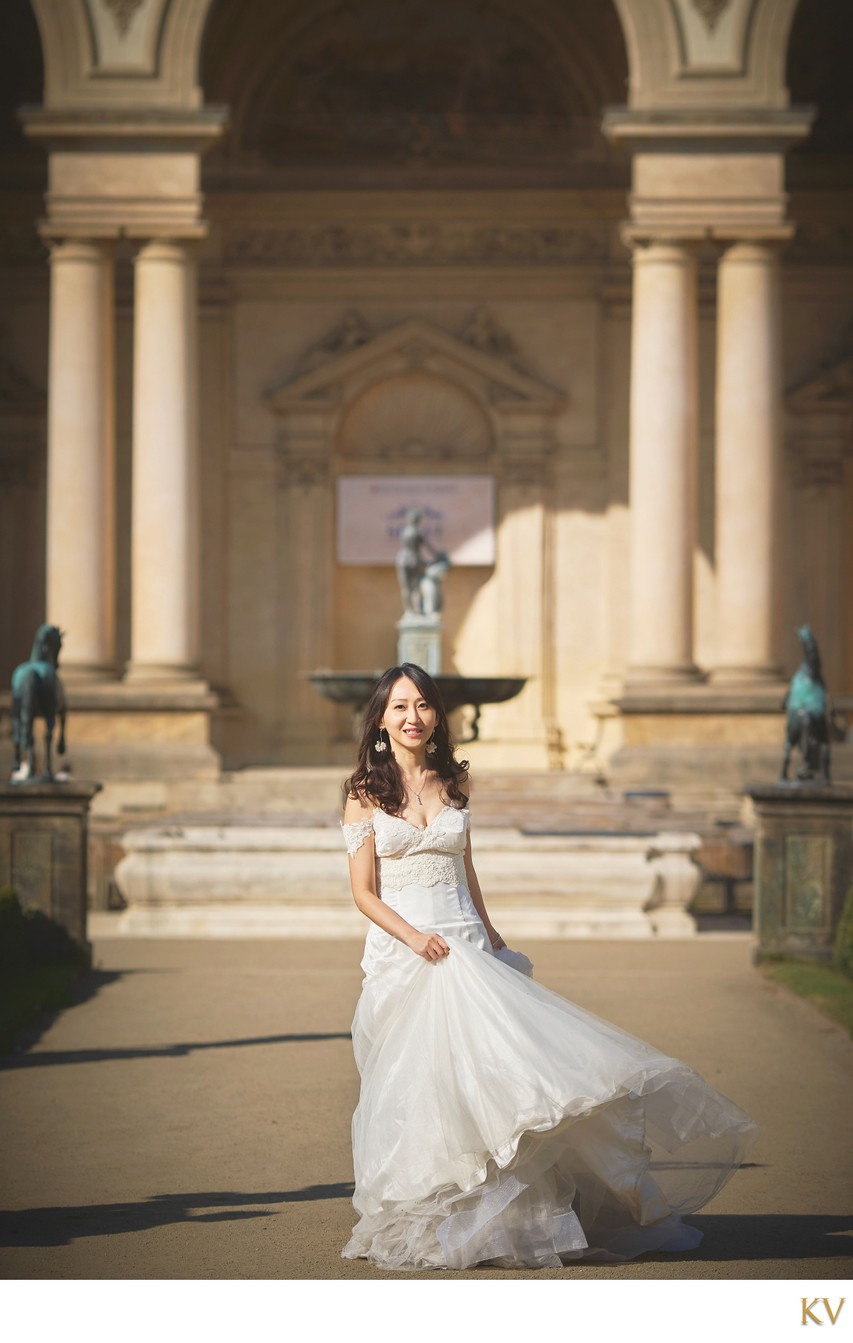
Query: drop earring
(379,745)
(431,746)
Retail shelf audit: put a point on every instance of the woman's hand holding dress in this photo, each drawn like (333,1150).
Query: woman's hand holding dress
(429,945)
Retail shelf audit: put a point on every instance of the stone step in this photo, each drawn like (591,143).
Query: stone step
(175,878)
(298,798)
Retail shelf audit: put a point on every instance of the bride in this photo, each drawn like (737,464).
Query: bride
(497,1122)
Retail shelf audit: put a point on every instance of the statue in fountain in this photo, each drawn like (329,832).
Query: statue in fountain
(420,570)
(419,577)
(807,726)
(431,594)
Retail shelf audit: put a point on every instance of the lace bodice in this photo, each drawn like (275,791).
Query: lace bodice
(408,855)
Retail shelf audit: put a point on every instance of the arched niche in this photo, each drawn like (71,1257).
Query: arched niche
(415,423)
(410,400)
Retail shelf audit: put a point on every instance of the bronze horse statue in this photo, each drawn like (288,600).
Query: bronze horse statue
(37,693)
(808,723)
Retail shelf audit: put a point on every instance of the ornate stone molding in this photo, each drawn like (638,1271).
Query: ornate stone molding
(821,244)
(301,471)
(825,398)
(710,11)
(498,394)
(422,244)
(407,346)
(820,416)
(523,472)
(692,55)
(350,332)
(416,394)
(482,332)
(817,472)
(486,334)
(109,54)
(123,12)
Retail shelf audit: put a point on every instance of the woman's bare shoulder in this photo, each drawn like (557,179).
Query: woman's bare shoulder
(357,808)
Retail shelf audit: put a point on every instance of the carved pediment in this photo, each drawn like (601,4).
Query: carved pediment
(831,388)
(820,423)
(483,360)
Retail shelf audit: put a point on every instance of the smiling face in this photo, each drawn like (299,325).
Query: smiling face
(408,718)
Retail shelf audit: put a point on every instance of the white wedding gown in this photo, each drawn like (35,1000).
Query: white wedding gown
(497,1121)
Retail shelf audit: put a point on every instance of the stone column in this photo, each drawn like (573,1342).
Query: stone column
(164,534)
(662,463)
(80,457)
(748,413)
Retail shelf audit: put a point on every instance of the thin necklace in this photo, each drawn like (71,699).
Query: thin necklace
(416,793)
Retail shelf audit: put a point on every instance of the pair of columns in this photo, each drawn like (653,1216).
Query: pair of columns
(81,540)
(663,418)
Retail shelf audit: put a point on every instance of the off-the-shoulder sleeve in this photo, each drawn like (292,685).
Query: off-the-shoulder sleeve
(356,834)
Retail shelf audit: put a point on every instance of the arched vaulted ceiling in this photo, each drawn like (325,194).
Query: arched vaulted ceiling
(460,89)
(819,73)
(416,90)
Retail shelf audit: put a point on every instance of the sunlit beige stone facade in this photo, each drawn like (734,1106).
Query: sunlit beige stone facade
(589,283)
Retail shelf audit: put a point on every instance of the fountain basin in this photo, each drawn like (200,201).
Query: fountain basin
(355,689)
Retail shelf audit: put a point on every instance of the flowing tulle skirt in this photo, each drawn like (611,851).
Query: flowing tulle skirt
(499,1122)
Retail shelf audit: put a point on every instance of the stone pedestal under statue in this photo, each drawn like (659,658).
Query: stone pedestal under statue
(803,867)
(419,641)
(43,849)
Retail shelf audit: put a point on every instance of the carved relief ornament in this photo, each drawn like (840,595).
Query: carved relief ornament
(820,472)
(710,11)
(524,472)
(416,392)
(433,244)
(350,332)
(123,12)
(301,471)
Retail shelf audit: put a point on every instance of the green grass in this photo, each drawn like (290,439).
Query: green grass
(27,992)
(39,962)
(827,989)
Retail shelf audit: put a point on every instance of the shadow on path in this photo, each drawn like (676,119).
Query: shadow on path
(752,1236)
(49,1058)
(84,987)
(727,1238)
(61,1226)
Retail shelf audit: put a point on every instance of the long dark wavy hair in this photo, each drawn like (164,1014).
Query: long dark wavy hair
(377,776)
